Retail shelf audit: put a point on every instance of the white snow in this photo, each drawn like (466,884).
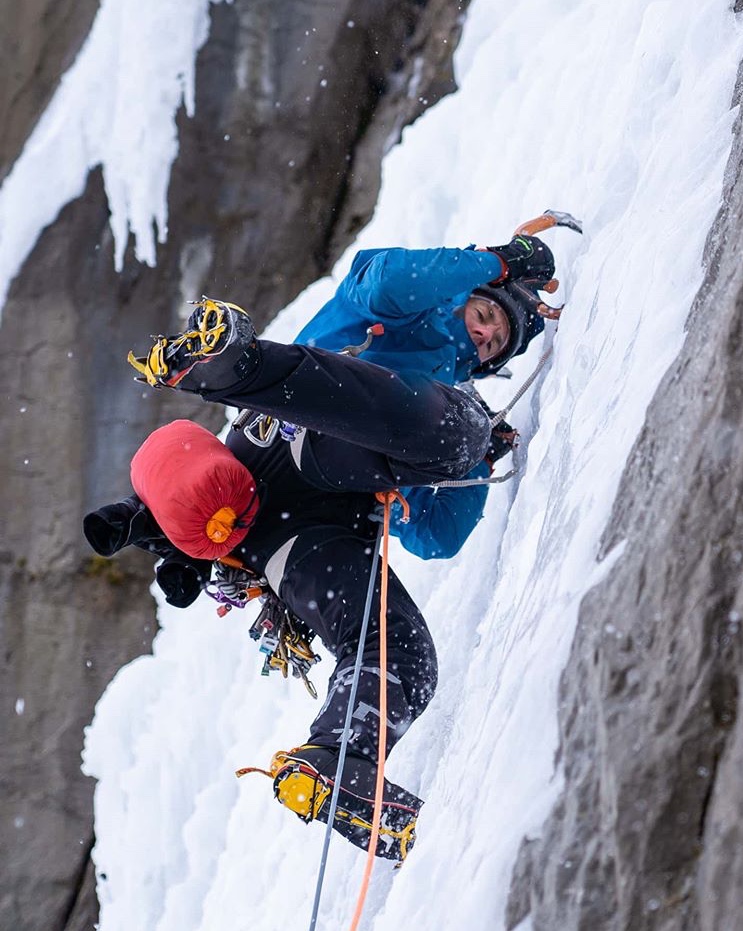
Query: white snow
(115,107)
(618,113)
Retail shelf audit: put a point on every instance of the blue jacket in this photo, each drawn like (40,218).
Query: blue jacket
(414,293)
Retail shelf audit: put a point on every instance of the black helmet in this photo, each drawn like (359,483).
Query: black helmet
(524,309)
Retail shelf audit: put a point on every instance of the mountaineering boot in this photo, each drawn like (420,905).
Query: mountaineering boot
(303,781)
(218,333)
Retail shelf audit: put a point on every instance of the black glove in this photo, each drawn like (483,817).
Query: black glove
(526,257)
(109,528)
(503,439)
(182,578)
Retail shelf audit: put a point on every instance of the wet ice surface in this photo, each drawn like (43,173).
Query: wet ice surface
(619,115)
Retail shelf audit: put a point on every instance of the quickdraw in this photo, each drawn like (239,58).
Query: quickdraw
(281,637)
(262,429)
(234,586)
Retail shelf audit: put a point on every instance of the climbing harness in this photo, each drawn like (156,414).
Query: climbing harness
(281,636)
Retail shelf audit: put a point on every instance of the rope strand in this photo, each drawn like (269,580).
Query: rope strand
(501,415)
(346,731)
(379,790)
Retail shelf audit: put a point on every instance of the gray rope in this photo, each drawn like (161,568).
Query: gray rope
(346,729)
(494,421)
(466,482)
(501,415)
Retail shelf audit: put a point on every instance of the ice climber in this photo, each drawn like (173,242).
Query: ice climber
(300,514)
(433,329)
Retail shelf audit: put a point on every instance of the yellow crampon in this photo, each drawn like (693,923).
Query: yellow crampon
(156,367)
(301,789)
(298,787)
(406,837)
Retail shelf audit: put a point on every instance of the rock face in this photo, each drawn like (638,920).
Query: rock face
(648,833)
(244,224)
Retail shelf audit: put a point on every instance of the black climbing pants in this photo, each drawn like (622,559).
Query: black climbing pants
(412,430)
(325,584)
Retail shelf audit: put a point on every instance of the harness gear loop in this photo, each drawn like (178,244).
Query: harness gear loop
(262,429)
(281,637)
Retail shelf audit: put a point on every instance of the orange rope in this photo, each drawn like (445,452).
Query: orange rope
(386,498)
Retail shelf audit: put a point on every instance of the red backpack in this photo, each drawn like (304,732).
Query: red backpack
(203,498)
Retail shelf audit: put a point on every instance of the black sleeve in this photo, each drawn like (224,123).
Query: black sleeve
(126,523)
(109,528)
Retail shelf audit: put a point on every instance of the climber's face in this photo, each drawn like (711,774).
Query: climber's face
(487,326)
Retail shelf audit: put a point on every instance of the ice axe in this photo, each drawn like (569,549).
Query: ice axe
(546,221)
